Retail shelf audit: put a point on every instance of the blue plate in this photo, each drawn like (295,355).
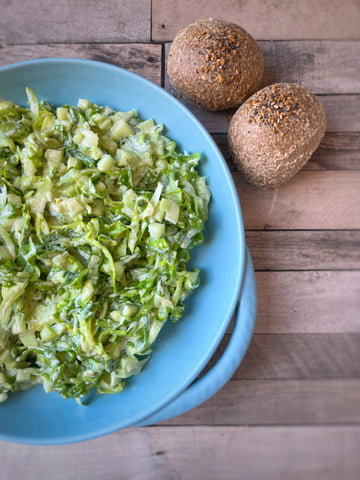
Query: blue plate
(183,349)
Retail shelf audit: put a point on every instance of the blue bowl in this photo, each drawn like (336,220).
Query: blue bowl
(183,349)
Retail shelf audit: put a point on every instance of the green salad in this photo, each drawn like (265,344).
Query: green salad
(98,212)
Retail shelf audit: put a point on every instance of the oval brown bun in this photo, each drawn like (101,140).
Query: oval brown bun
(215,64)
(274,133)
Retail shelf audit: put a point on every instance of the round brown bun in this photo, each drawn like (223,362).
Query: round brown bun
(215,64)
(274,133)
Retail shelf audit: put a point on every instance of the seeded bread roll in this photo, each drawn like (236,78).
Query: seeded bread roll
(215,64)
(275,132)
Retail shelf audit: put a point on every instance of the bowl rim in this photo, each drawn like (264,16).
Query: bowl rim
(240,271)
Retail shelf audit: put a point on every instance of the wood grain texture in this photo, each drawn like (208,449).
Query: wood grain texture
(305,250)
(302,369)
(322,66)
(301,356)
(144,59)
(276,19)
(40,21)
(201,453)
(337,151)
(308,302)
(297,356)
(278,402)
(310,200)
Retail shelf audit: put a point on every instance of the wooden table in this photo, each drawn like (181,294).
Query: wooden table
(292,410)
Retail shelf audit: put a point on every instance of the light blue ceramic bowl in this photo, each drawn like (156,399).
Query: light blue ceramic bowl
(227,278)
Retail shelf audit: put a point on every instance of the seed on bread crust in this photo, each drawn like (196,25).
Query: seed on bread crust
(275,132)
(215,64)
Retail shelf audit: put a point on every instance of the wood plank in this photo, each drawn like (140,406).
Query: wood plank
(337,151)
(305,250)
(308,302)
(78,21)
(324,66)
(297,356)
(310,200)
(280,20)
(278,402)
(144,59)
(201,453)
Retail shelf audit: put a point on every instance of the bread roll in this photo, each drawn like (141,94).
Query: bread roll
(275,132)
(215,64)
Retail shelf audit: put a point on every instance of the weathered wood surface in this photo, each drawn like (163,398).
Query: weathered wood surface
(279,19)
(304,250)
(279,402)
(80,21)
(310,200)
(302,369)
(308,302)
(144,59)
(199,452)
(299,356)
(322,66)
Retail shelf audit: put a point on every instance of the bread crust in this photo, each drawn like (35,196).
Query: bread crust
(275,132)
(215,64)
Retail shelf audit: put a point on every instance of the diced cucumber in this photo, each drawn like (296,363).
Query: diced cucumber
(62,113)
(84,104)
(147,125)
(28,339)
(121,129)
(107,144)
(74,163)
(106,162)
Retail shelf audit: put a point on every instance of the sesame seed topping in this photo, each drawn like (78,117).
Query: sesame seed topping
(273,107)
(222,53)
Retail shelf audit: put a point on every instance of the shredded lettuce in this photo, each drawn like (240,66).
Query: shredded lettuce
(98,212)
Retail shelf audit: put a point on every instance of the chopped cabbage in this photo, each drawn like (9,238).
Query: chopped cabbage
(98,212)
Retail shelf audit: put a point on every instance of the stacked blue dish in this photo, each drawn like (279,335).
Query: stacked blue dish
(170,384)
